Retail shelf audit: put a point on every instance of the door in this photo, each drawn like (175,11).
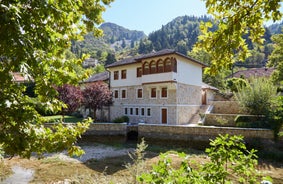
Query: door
(164,116)
(203,97)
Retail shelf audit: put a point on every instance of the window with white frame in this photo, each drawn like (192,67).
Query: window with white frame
(164,92)
(136,111)
(131,111)
(116,75)
(116,93)
(148,112)
(139,93)
(153,93)
(142,111)
(123,74)
(123,93)
(126,111)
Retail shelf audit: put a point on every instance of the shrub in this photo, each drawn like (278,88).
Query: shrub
(121,119)
(256,98)
(251,122)
(230,161)
(234,83)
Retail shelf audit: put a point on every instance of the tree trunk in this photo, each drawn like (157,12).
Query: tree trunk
(94,114)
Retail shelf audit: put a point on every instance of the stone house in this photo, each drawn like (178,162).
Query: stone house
(163,87)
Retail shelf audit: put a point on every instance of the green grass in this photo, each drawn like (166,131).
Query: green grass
(67,119)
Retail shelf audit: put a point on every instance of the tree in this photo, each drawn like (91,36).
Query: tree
(276,58)
(71,96)
(235,18)
(256,98)
(33,38)
(110,59)
(97,95)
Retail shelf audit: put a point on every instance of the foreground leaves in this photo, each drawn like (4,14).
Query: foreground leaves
(34,36)
(235,19)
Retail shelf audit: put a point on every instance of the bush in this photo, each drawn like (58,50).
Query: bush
(121,119)
(234,83)
(256,98)
(230,161)
(251,122)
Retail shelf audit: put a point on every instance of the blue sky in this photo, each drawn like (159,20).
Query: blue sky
(150,15)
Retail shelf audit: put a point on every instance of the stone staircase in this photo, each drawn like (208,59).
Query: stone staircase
(196,117)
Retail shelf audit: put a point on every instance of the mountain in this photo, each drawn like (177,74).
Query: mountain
(276,28)
(113,32)
(116,38)
(180,34)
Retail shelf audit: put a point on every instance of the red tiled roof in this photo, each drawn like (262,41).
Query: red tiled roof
(18,77)
(98,77)
(253,72)
(137,59)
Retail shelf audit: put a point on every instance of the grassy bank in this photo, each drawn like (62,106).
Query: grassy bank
(58,118)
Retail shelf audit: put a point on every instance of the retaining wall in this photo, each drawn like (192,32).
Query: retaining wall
(107,129)
(196,134)
(226,107)
(221,120)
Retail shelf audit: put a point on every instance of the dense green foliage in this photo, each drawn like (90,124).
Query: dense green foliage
(228,156)
(180,34)
(245,121)
(34,37)
(276,58)
(256,98)
(275,116)
(121,119)
(235,19)
(234,83)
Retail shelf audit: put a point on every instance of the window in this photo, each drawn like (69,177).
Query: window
(174,63)
(168,65)
(152,67)
(116,75)
(131,111)
(145,68)
(124,93)
(142,111)
(116,94)
(148,112)
(139,72)
(137,111)
(160,66)
(153,93)
(164,92)
(123,74)
(139,93)
(126,111)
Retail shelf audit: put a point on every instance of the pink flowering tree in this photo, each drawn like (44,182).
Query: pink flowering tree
(71,96)
(97,95)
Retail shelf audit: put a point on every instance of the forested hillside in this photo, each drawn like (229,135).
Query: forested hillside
(115,39)
(179,34)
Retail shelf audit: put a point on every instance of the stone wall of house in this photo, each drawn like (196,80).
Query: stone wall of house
(189,101)
(225,107)
(188,94)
